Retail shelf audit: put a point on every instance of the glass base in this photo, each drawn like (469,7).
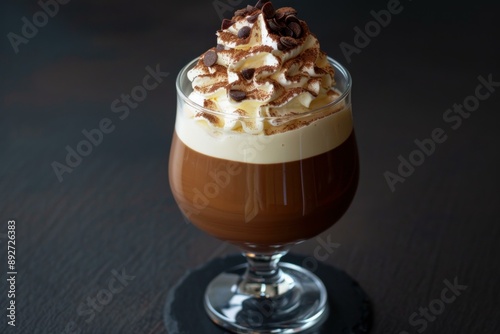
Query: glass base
(299,302)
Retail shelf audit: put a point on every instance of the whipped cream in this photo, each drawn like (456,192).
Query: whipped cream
(303,142)
(266,64)
(266,91)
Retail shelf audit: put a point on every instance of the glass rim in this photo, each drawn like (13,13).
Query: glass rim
(337,66)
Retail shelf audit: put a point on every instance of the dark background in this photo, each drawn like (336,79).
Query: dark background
(115,210)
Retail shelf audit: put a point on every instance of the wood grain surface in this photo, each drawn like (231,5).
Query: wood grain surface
(112,224)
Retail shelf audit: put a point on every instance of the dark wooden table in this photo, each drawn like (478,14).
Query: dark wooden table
(99,251)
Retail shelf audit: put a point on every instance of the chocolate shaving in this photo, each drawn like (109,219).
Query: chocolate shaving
(237,95)
(261,3)
(279,15)
(289,42)
(296,28)
(244,32)
(210,58)
(226,24)
(284,23)
(273,25)
(253,18)
(283,12)
(248,73)
(268,10)
(291,18)
(285,31)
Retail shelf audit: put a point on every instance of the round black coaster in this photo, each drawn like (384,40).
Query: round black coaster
(349,307)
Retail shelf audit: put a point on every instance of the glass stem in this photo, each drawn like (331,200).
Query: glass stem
(263,277)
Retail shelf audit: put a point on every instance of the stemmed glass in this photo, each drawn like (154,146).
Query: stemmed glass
(264,192)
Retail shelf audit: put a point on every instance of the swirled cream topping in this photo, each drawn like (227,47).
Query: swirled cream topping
(266,64)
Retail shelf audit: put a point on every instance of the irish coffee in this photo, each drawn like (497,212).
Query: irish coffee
(264,156)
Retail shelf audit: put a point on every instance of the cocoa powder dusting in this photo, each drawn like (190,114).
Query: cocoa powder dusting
(210,117)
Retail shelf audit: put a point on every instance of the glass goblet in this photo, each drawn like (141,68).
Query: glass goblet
(264,184)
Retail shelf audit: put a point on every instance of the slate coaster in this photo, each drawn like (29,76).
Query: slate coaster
(349,307)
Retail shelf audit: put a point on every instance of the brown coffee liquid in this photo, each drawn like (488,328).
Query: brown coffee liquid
(258,206)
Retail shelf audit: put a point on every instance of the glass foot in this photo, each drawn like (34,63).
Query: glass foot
(296,302)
